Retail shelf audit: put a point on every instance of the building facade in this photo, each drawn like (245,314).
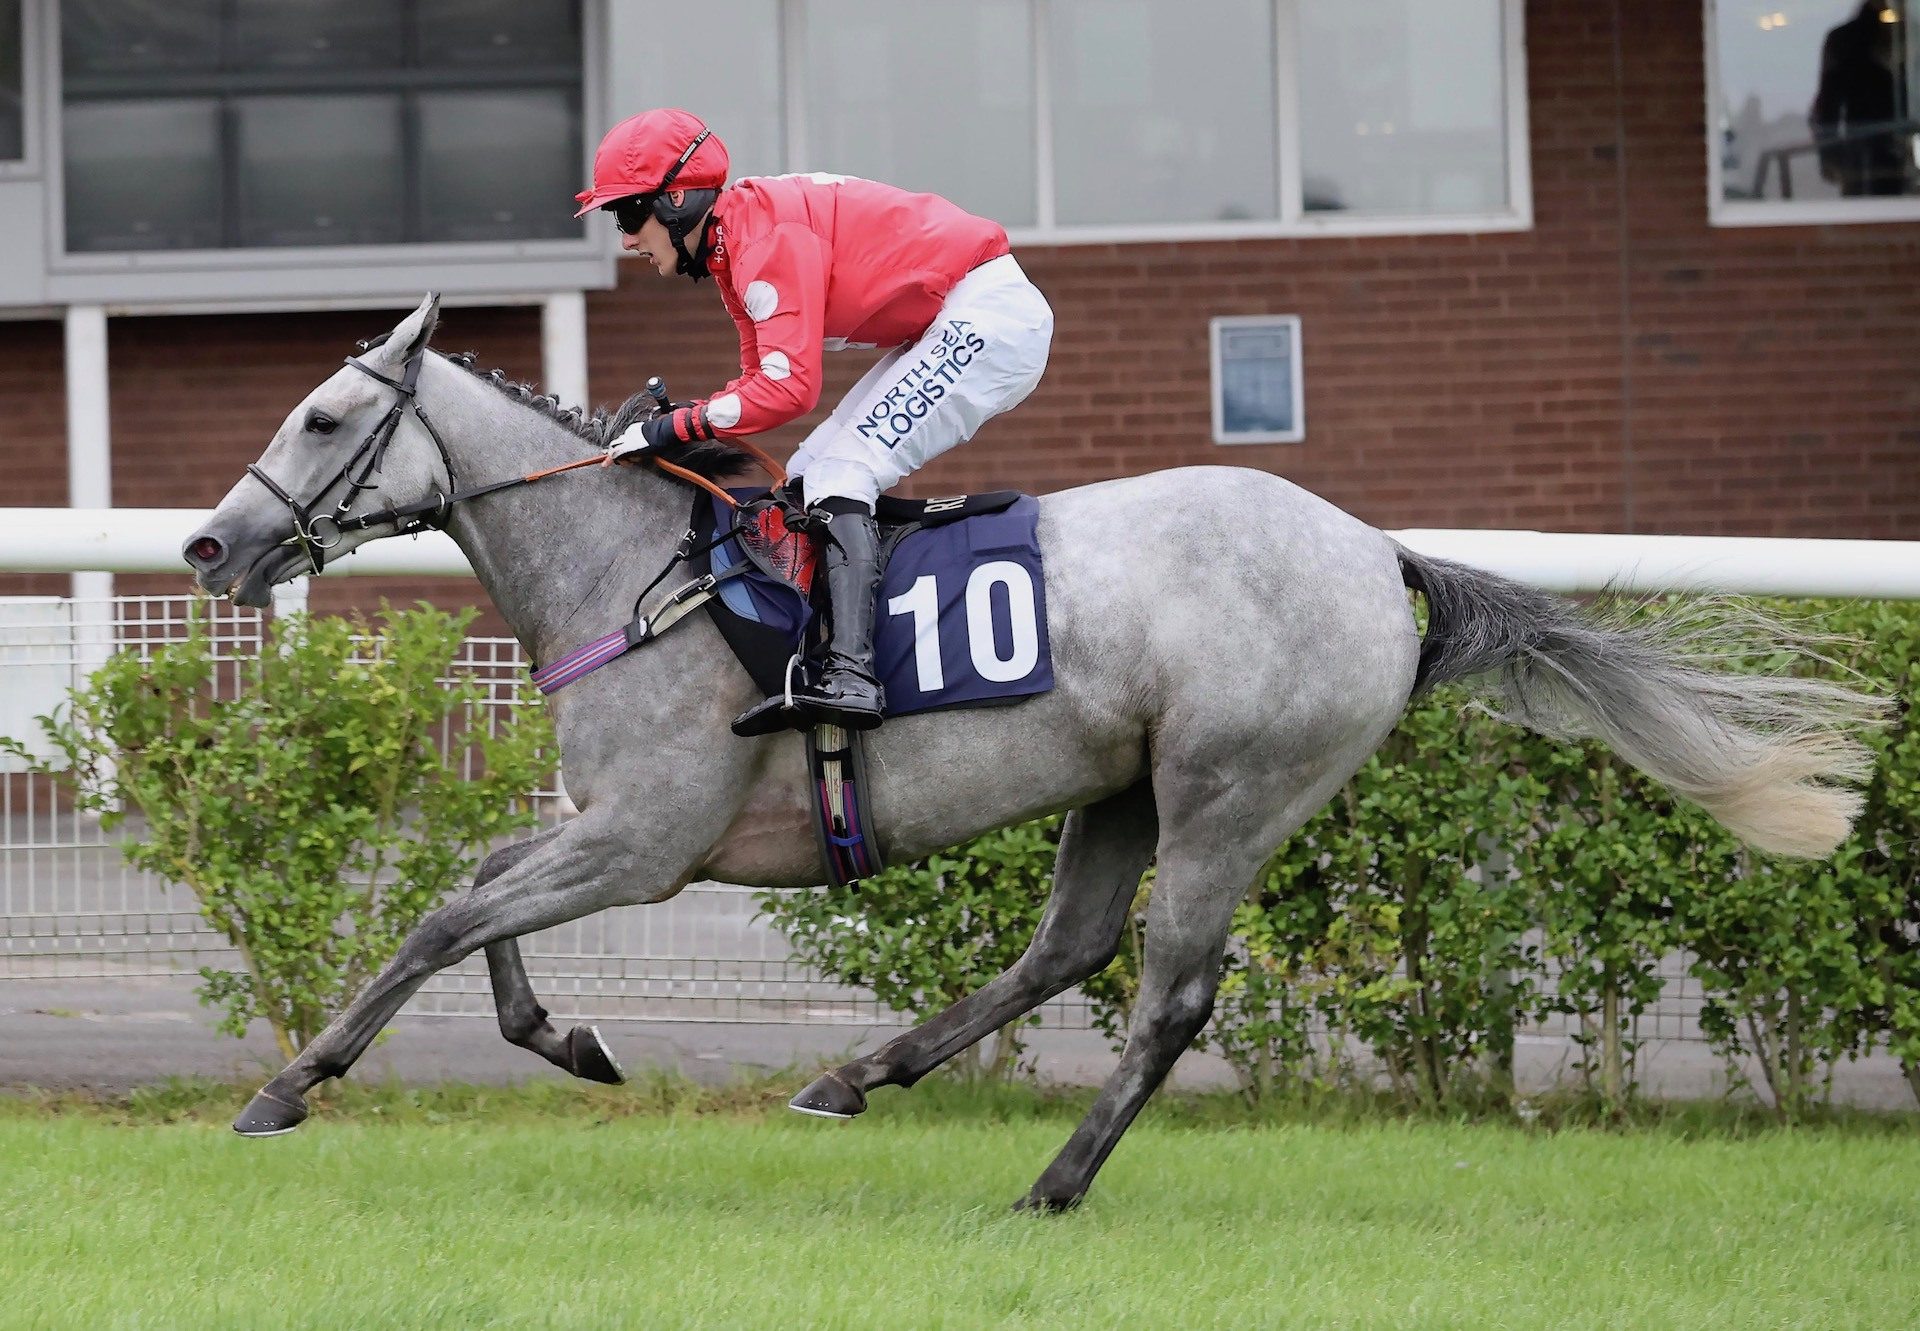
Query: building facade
(1643,266)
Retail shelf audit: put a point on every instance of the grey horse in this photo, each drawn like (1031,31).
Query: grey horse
(1220,674)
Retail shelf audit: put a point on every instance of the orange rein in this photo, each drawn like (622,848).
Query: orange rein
(772,468)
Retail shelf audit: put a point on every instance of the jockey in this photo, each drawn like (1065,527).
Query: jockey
(813,263)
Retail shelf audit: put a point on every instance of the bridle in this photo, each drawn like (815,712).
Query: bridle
(308,532)
(409,519)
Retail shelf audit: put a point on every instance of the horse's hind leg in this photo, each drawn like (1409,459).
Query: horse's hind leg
(523,1021)
(1206,864)
(1104,849)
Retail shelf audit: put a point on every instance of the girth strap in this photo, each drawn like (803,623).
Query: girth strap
(642,629)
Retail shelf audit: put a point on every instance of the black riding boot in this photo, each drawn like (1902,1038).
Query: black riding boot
(846,694)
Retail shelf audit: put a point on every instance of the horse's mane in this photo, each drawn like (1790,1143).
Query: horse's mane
(714,460)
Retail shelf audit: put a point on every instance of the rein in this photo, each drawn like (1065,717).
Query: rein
(409,519)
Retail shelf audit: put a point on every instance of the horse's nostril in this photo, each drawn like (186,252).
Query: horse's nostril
(206,549)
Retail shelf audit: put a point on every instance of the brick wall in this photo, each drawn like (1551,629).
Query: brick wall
(1620,367)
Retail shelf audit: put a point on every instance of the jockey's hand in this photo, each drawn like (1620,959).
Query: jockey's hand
(642,438)
(790,495)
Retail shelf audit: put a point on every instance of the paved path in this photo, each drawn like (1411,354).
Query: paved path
(112,1035)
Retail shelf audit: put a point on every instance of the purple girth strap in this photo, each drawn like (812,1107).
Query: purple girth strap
(581,661)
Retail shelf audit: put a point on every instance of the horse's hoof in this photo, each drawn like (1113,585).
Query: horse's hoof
(589,1058)
(829,1097)
(270,1116)
(1040,1204)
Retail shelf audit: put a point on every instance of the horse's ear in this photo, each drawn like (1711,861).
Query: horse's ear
(412,333)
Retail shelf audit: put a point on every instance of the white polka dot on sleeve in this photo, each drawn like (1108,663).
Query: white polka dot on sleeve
(761,300)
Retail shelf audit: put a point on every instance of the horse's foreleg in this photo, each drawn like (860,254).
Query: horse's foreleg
(1104,849)
(584,866)
(523,1021)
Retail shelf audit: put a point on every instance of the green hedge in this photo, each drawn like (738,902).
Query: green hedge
(1473,879)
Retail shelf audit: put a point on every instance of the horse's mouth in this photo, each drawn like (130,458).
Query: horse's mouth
(254,587)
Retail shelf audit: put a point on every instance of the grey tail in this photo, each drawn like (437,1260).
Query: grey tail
(1774,757)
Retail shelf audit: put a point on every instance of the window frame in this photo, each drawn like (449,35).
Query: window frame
(28,165)
(1724,212)
(1291,322)
(387,265)
(1293,220)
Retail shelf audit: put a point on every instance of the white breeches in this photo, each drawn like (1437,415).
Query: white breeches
(981,356)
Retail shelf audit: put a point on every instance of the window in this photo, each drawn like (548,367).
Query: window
(1257,390)
(143,174)
(13,121)
(1124,119)
(1159,118)
(744,108)
(235,124)
(936,98)
(1402,107)
(1814,113)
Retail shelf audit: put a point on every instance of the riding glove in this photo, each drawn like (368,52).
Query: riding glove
(684,422)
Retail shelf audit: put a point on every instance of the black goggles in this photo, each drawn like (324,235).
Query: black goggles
(631,213)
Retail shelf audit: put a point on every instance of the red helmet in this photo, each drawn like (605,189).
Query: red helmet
(652,151)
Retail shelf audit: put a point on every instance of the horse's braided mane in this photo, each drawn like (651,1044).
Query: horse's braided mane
(714,460)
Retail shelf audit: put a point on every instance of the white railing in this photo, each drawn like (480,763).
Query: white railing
(148,540)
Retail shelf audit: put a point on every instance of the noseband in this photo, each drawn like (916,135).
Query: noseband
(310,530)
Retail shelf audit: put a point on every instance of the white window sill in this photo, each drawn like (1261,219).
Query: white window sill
(253,259)
(1815,212)
(1304,227)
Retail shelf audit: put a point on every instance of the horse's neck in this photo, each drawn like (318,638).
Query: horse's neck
(548,552)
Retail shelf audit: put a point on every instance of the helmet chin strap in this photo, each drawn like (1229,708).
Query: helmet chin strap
(694,264)
(691,265)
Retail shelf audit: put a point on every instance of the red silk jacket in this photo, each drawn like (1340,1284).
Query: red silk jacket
(816,263)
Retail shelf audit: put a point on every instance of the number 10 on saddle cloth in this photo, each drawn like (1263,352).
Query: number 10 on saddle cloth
(962,614)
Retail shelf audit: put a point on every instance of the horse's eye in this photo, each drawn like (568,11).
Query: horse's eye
(320,423)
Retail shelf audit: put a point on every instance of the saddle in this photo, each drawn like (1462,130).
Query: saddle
(765,610)
(965,623)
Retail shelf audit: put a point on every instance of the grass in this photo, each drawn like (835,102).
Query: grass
(669,1206)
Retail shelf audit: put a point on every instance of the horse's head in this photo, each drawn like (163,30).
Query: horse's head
(350,451)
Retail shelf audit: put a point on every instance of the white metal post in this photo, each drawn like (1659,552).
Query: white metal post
(89,474)
(89,481)
(563,346)
(89,447)
(290,598)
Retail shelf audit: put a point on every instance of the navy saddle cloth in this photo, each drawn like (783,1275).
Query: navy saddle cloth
(962,613)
